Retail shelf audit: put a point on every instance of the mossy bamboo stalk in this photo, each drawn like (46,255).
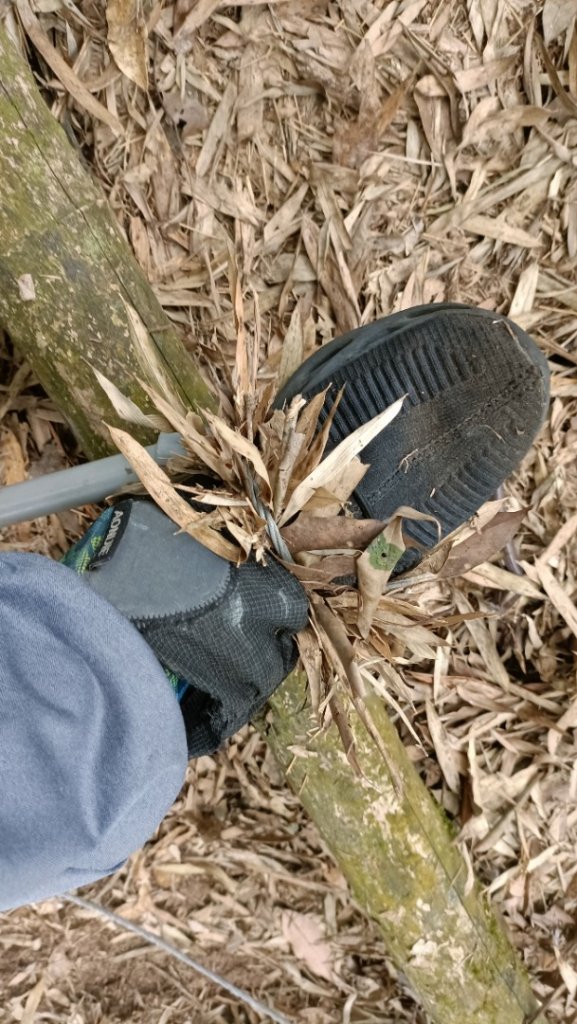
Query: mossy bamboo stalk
(397,850)
(65,270)
(392,841)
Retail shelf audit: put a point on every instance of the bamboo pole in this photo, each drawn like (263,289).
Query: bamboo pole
(66,271)
(391,839)
(397,850)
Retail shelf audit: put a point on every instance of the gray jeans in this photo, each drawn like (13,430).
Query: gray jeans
(92,740)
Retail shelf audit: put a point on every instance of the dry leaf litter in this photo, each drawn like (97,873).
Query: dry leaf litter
(296,170)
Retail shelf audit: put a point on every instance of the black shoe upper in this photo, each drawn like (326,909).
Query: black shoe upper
(477,390)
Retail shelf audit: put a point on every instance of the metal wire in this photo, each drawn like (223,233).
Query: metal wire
(155,940)
(265,513)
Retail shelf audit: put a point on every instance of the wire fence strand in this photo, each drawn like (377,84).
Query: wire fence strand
(167,947)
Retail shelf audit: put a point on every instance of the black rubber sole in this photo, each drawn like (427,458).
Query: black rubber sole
(477,390)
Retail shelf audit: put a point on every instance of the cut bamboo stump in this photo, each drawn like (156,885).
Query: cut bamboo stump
(64,268)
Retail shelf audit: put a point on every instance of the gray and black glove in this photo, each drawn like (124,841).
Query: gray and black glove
(224,634)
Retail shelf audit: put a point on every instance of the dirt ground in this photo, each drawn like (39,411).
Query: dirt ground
(359,157)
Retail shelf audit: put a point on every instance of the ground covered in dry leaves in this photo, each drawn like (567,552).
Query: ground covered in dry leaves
(357,157)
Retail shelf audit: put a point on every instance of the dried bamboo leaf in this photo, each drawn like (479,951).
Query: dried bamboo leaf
(311,657)
(292,347)
(198,443)
(200,12)
(346,314)
(244,538)
(345,732)
(558,597)
(215,498)
(265,399)
(218,130)
(239,444)
(328,500)
(337,566)
(379,684)
(314,444)
(219,197)
(565,99)
(127,39)
(346,665)
(374,568)
(558,16)
(498,229)
(307,937)
(162,490)
(353,143)
(313,533)
(285,221)
(525,291)
(475,78)
(472,543)
(481,545)
(341,455)
(250,107)
(447,756)
(309,417)
(126,408)
(149,359)
(565,534)
(244,378)
(485,644)
(344,656)
(434,108)
(292,444)
(488,575)
(313,577)
(567,721)
(61,69)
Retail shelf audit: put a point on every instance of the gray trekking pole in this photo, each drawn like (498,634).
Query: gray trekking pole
(80,485)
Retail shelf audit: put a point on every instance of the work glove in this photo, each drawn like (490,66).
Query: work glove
(224,634)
